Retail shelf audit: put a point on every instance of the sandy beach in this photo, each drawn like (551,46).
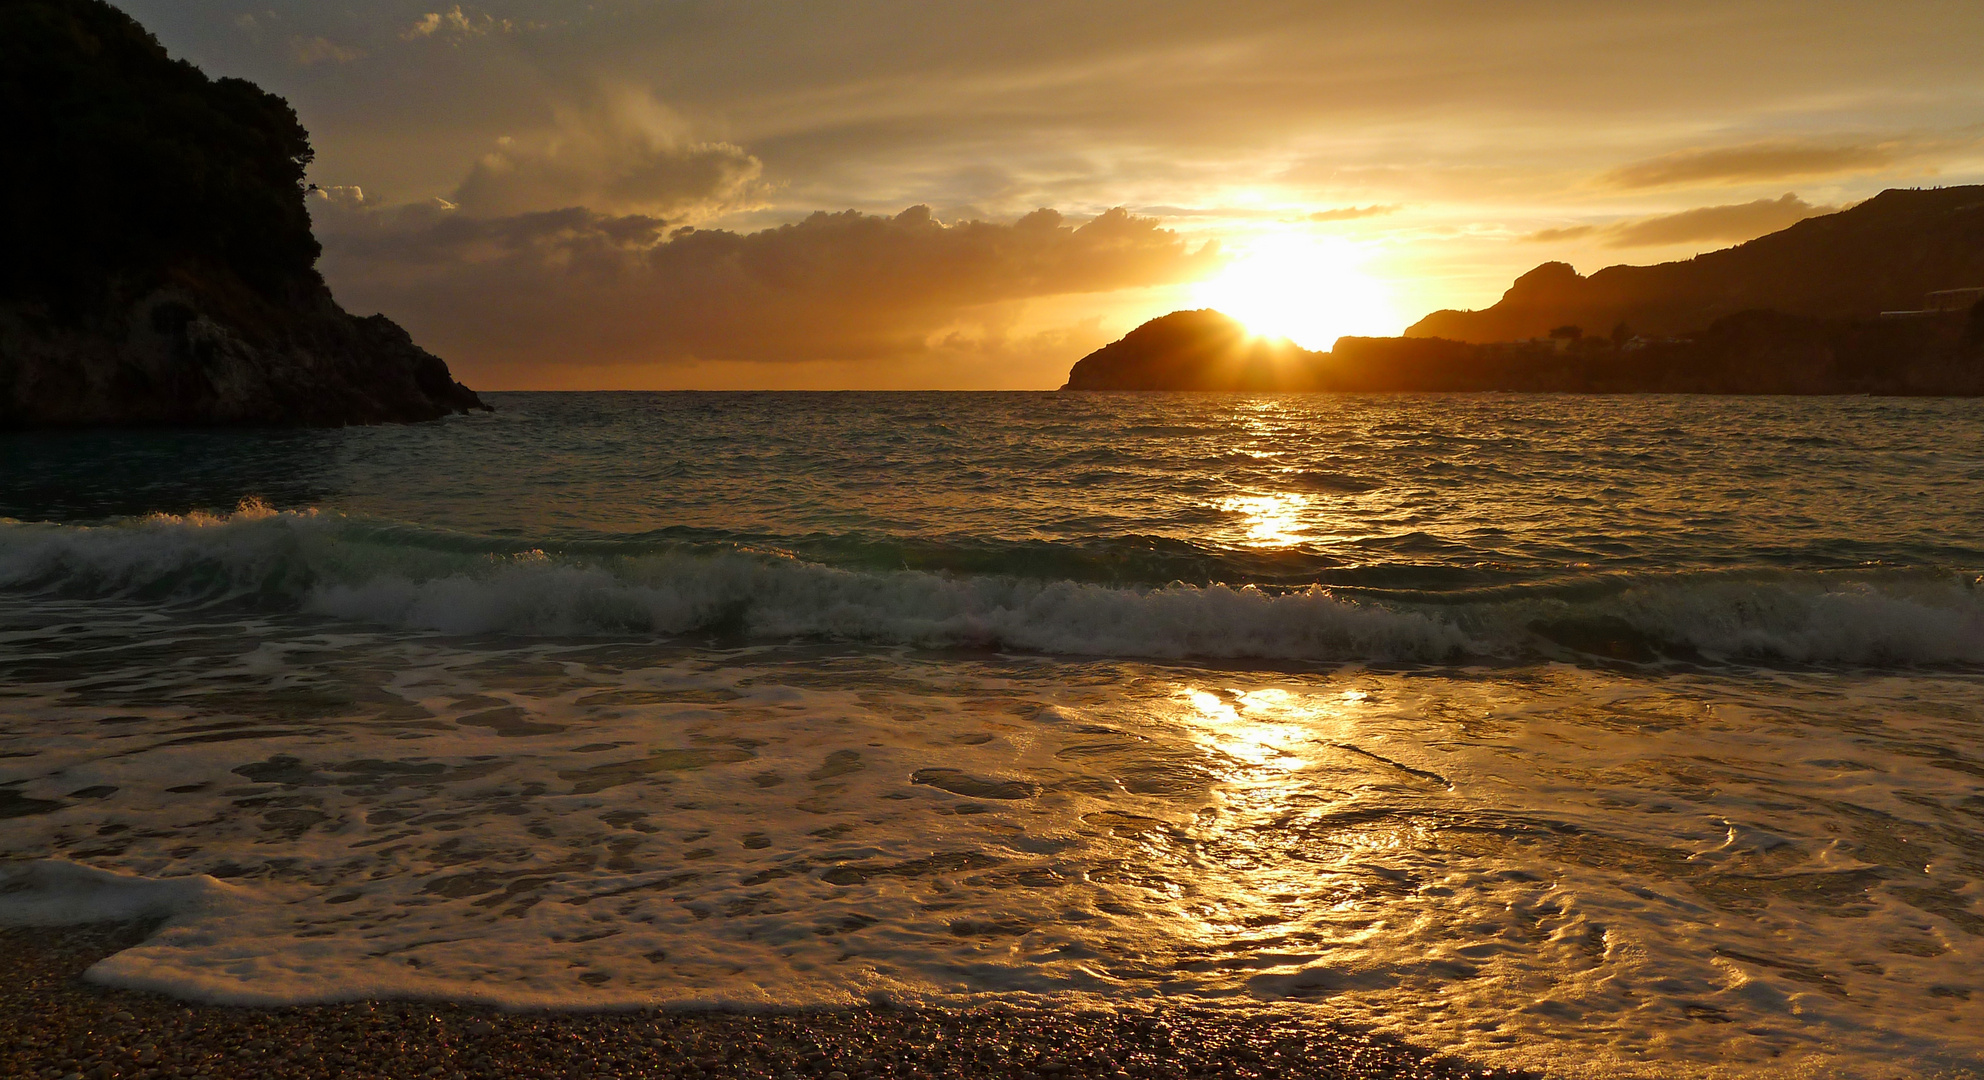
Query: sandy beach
(53,1024)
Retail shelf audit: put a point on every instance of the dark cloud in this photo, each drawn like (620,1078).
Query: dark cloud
(576,287)
(1779,159)
(1732,223)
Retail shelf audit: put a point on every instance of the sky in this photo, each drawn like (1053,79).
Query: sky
(737,194)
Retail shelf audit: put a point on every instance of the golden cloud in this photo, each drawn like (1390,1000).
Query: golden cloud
(581,288)
(1775,159)
(1731,223)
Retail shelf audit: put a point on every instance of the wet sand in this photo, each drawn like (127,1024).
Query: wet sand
(54,1025)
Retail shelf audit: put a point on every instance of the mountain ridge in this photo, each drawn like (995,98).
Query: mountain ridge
(1884,254)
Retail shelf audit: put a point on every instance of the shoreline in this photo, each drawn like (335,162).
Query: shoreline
(55,1025)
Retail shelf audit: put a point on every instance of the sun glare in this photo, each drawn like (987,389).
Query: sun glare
(1311,290)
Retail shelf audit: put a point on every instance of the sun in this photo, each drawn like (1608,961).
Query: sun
(1311,290)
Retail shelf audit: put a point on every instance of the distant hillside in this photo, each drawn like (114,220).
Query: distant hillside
(1885,254)
(159,263)
(1755,352)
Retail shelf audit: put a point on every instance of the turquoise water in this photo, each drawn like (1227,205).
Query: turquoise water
(1617,736)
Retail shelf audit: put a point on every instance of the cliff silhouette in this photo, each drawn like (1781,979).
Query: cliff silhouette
(159,265)
(1795,312)
(1885,254)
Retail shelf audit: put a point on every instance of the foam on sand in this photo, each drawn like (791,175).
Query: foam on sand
(58,892)
(1572,867)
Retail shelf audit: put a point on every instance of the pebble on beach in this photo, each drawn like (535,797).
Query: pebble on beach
(55,1026)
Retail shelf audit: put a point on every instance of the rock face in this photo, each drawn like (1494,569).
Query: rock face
(159,264)
(1885,254)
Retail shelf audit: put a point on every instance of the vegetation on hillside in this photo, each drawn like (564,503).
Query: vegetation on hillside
(126,166)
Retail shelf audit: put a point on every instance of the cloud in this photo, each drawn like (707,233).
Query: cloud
(1775,159)
(886,104)
(1243,213)
(1574,232)
(457,23)
(1349,213)
(624,154)
(529,293)
(318,50)
(1735,222)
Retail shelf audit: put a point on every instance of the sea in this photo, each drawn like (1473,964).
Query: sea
(1607,736)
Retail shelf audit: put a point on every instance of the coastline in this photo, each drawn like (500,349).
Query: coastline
(54,1024)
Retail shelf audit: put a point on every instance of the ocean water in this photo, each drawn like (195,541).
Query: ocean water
(1610,736)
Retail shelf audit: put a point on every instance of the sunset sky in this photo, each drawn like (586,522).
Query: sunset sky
(974,195)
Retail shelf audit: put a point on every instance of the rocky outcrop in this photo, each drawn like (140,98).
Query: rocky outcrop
(160,267)
(1196,350)
(168,358)
(1885,254)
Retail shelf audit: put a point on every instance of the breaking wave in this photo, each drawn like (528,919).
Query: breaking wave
(461,584)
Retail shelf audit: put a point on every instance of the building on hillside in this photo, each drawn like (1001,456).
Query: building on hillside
(1942,302)
(1956,299)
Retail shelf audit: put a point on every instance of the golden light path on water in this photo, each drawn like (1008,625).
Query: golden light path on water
(1275,744)
(1270,521)
(1276,519)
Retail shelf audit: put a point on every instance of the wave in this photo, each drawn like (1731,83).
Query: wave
(454,583)
(57,892)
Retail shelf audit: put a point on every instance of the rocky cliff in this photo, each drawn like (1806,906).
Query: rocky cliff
(159,266)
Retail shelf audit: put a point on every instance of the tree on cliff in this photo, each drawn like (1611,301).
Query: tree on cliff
(126,164)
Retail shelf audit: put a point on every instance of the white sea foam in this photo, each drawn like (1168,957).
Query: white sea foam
(1825,620)
(1574,868)
(326,565)
(786,599)
(57,892)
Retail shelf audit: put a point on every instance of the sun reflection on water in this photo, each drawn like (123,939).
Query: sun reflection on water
(1289,866)
(1266,728)
(1269,520)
